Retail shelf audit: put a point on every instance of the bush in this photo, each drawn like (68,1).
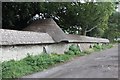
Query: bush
(98,47)
(73,50)
(77,52)
(12,68)
(89,51)
(70,52)
(30,64)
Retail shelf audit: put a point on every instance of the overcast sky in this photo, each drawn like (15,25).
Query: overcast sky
(119,7)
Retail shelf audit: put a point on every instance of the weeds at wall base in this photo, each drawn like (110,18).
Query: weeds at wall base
(31,64)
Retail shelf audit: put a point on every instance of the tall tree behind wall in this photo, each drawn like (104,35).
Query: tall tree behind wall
(73,17)
(17,14)
(113,32)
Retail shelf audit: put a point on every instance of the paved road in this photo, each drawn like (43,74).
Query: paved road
(102,64)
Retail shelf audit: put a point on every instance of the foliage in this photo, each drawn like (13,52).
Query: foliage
(99,47)
(70,52)
(118,41)
(16,15)
(30,64)
(88,51)
(113,31)
(72,17)
(73,50)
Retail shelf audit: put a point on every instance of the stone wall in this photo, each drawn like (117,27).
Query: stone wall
(84,46)
(21,51)
(57,48)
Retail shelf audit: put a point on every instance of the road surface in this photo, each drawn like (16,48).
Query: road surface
(102,64)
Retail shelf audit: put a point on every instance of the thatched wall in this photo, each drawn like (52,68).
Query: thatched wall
(19,52)
(85,39)
(48,26)
(41,36)
(13,37)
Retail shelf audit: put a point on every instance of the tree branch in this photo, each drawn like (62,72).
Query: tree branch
(91,29)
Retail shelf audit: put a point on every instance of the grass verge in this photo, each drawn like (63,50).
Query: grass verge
(31,64)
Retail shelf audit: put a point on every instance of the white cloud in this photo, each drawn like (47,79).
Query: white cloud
(119,7)
(36,15)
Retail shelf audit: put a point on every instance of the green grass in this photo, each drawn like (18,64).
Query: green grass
(97,47)
(31,64)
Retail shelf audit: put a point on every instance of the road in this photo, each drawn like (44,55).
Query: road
(102,64)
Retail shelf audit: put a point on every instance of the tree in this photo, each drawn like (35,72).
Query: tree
(113,31)
(87,16)
(72,17)
(16,15)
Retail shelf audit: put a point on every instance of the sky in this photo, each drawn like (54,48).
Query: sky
(82,1)
(119,7)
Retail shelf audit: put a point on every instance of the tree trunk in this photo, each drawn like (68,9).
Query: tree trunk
(83,32)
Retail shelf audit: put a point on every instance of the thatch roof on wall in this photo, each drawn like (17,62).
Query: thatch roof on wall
(48,26)
(13,37)
(73,38)
(79,38)
(43,31)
